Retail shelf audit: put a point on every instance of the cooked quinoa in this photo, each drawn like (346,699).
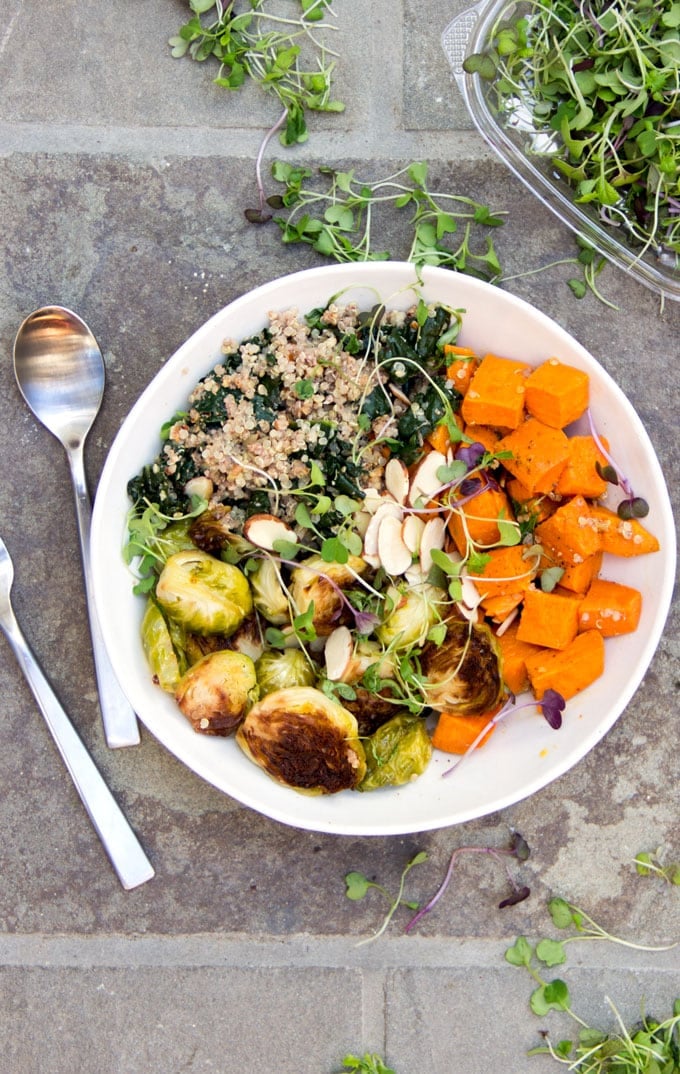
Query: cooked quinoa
(293,396)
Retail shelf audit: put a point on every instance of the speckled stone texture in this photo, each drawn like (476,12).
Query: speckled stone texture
(123,179)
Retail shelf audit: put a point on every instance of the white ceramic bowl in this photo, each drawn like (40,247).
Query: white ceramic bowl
(524,753)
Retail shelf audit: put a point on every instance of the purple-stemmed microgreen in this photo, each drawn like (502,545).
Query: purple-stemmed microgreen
(632,506)
(551,706)
(518,849)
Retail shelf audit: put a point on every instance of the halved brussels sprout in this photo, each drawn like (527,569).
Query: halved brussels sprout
(269,596)
(165,661)
(281,670)
(303,739)
(212,532)
(317,582)
(204,594)
(412,614)
(397,753)
(215,693)
(463,674)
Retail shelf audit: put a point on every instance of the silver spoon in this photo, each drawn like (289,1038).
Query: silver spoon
(120,842)
(60,372)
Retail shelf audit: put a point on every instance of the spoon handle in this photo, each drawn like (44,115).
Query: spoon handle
(120,723)
(120,842)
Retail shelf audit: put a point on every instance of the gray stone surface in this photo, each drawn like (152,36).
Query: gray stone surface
(123,179)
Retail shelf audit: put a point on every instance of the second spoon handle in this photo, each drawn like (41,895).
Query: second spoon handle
(120,722)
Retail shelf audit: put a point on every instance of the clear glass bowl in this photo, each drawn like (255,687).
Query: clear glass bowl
(527,152)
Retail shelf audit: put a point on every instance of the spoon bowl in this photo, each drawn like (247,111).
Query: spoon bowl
(60,372)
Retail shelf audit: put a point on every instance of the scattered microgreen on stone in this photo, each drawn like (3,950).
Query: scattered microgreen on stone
(357,887)
(650,1047)
(651,863)
(337,213)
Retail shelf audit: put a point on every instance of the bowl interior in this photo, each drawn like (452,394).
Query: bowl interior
(524,754)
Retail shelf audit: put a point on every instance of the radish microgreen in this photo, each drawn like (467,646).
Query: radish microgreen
(518,849)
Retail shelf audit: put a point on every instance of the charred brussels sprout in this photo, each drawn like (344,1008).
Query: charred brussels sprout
(463,674)
(204,594)
(304,740)
(165,661)
(281,670)
(212,533)
(397,753)
(215,693)
(410,616)
(269,596)
(320,583)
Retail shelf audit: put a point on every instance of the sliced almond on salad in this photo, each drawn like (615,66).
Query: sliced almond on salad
(412,532)
(397,480)
(434,533)
(424,482)
(264,530)
(338,653)
(393,554)
(387,509)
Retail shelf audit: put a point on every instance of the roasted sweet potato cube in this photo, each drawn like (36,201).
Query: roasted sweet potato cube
(549,619)
(538,454)
(556,394)
(496,393)
(611,608)
(568,670)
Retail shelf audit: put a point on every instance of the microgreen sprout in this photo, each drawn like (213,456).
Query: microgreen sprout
(358,885)
(270,50)
(518,849)
(651,1047)
(369,1063)
(337,220)
(596,88)
(651,863)
(551,705)
(148,545)
(631,506)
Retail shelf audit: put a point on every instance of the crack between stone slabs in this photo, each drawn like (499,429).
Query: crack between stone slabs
(301,951)
(228,143)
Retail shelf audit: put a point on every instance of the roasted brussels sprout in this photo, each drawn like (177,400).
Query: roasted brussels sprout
(215,693)
(304,740)
(397,753)
(463,674)
(369,709)
(317,582)
(204,594)
(165,661)
(411,615)
(212,532)
(281,670)
(247,638)
(269,596)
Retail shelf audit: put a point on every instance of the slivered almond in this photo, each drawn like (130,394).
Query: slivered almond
(397,480)
(387,509)
(425,482)
(264,530)
(434,532)
(411,532)
(392,552)
(338,653)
